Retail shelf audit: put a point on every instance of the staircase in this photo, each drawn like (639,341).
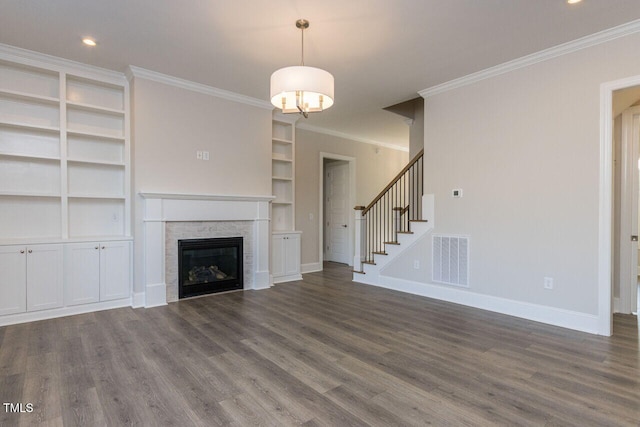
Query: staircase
(392,222)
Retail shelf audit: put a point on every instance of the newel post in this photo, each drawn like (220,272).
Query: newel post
(360,238)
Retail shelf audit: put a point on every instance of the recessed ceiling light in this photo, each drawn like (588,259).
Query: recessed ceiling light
(89,41)
(573,1)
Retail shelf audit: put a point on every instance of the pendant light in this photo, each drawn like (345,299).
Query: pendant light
(302,89)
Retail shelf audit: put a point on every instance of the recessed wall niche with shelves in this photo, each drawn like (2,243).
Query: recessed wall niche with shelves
(65,202)
(285,241)
(69,180)
(283,173)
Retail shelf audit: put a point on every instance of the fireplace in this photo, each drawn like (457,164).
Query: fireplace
(207,266)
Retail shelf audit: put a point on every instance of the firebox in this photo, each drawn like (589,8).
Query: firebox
(207,266)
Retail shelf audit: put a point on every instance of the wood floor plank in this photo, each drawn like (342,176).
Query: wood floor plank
(244,411)
(41,388)
(323,351)
(11,391)
(14,350)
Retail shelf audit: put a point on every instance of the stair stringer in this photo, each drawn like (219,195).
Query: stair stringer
(372,272)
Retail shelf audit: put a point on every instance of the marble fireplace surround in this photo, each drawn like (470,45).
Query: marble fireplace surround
(170,217)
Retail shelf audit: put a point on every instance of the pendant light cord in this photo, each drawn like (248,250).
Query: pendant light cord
(302,51)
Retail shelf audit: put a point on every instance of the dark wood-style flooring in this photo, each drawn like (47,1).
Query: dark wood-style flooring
(323,351)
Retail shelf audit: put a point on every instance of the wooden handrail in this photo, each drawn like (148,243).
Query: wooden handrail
(393,181)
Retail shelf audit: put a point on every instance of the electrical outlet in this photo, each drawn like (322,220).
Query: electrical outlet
(205,155)
(416,264)
(199,155)
(548,282)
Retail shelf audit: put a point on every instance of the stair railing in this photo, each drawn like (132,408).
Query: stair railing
(389,213)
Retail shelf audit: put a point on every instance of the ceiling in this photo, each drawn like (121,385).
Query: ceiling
(381,52)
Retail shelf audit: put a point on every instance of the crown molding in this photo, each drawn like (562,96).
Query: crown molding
(133,72)
(50,62)
(541,56)
(316,129)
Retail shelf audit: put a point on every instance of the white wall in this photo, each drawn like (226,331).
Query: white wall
(169,124)
(524,147)
(375,167)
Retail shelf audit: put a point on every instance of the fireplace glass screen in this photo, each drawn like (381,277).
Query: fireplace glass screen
(209,265)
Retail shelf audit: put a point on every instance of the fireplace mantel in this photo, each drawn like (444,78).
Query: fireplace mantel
(160,208)
(214,197)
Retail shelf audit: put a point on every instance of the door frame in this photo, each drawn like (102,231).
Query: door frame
(628,264)
(605,217)
(352,201)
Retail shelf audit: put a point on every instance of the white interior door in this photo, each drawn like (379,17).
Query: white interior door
(629,255)
(336,212)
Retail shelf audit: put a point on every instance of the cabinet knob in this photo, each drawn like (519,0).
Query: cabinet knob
(22,251)
(30,251)
(103,247)
(97,247)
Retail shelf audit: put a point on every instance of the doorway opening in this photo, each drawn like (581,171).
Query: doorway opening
(626,188)
(337,199)
(606,226)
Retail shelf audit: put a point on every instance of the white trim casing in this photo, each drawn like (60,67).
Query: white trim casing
(605,217)
(352,202)
(159,208)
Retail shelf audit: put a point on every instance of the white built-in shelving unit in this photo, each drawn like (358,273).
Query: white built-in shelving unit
(283,173)
(285,245)
(64,163)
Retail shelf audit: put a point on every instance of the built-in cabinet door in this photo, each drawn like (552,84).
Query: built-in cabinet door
(13,287)
(115,278)
(277,255)
(292,254)
(82,273)
(44,277)
(285,257)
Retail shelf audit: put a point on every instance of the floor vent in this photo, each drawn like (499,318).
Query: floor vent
(451,260)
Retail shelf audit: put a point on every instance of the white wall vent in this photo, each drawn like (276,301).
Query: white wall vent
(451,260)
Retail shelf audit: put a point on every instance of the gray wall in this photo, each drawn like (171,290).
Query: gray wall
(525,148)
(170,124)
(416,132)
(375,167)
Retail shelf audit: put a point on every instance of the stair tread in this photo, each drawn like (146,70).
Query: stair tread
(359,272)
(380,253)
(418,220)
(369,262)
(391,243)
(404,232)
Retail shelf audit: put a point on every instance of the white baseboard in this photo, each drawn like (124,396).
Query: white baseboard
(63,311)
(284,279)
(538,313)
(311,267)
(137,301)
(155,295)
